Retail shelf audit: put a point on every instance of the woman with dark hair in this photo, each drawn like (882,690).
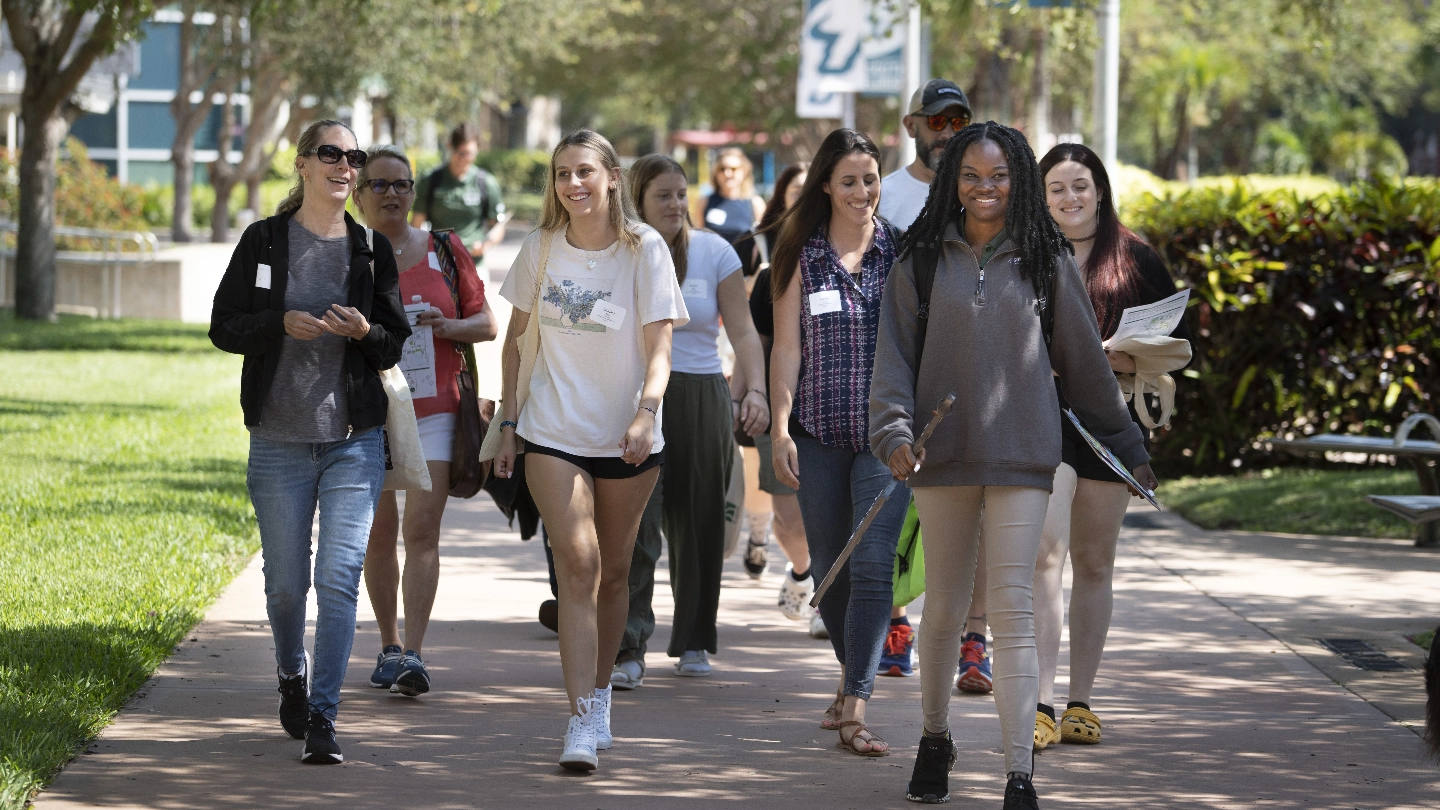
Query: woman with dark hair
(1088,499)
(699,446)
(1006,306)
(831,261)
(316,312)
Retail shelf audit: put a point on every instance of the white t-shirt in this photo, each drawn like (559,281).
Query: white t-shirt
(710,261)
(902,197)
(585,390)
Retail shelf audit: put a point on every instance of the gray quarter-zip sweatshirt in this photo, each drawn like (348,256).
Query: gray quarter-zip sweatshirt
(984,343)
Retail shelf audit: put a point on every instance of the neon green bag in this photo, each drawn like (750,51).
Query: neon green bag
(908,580)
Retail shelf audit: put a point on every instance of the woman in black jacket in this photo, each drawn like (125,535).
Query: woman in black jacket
(317,315)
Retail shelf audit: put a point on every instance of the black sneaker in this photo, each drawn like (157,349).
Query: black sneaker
(412,679)
(1020,794)
(385,666)
(295,701)
(930,781)
(320,745)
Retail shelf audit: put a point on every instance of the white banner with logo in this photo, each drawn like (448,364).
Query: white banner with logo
(849,46)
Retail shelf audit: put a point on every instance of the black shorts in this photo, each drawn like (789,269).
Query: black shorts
(1076,452)
(607,467)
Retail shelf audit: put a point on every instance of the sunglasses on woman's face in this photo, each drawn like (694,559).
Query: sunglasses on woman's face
(332,154)
(937,122)
(400,186)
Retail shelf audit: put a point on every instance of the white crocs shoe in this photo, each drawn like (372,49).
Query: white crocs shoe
(817,626)
(600,711)
(579,753)
(795,596)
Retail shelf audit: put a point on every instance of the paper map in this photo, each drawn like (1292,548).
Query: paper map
(1112,462)
(1151,320)
(417,356)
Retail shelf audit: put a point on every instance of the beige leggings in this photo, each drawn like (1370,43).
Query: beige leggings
(1010,525)
(1083,520)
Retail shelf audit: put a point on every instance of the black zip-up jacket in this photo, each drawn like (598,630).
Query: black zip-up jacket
(250,320)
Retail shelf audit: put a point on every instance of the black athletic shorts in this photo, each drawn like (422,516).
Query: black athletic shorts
(1076,452)
(607,467)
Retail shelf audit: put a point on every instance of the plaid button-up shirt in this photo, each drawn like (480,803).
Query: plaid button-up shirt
(837,347)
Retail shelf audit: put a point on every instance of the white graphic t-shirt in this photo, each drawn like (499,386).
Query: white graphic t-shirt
(901,198)
(586,387)
(709,261)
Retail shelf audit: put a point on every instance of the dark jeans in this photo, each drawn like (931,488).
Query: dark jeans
(837,488)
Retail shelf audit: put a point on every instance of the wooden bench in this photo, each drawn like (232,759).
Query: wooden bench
(1422,510)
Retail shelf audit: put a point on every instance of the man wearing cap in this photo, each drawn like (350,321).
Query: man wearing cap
(937,111)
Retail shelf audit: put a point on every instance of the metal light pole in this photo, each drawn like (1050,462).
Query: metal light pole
(1107,82)
(913,47)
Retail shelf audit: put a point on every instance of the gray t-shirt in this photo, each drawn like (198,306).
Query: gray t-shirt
(307,400)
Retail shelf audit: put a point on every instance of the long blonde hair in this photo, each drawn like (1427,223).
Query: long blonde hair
(747,185)
(642,173)
(309,139)
(554,217)
(373,154)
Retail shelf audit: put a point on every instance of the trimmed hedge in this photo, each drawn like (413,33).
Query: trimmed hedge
(1309,315)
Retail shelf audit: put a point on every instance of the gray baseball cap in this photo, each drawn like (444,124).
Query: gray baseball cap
(936,95)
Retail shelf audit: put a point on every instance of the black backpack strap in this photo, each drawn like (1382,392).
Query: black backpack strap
(434,179)
(483,179)
(924,259)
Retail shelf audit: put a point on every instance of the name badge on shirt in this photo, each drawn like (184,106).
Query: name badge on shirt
(262,276)
(471,196)
(824,301)
(695,288)
(716,216)
(608,314)
(434,261)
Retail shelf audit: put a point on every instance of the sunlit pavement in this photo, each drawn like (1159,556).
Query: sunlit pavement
(1213,694)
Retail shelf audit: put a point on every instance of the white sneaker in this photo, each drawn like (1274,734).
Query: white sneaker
(579,753)
(627,675)
(600,709)
(817,626)
(693,664)
(795,596)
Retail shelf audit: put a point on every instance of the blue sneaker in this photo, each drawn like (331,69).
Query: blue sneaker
(899,644)
(411,679)
(974,676)
(386,663)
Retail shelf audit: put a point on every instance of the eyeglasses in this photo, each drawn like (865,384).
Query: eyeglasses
(937,122)
(400,186)
(332,154)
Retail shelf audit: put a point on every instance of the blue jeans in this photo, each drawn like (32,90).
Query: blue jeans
(287,480)
(837,488)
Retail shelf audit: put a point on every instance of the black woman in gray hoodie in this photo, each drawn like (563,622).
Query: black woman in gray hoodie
(1007,306)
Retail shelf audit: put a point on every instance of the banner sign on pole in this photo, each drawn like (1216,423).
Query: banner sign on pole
(848,46)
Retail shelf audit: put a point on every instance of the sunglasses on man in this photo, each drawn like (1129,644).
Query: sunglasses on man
(937,122)
(332,154)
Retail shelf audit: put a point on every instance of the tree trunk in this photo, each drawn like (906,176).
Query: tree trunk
(223,174)
(182,219)
(35,243)
(1040,89)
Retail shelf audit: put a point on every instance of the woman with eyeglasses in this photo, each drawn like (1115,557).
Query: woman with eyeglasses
(733,208)
(316,313)
(436,273)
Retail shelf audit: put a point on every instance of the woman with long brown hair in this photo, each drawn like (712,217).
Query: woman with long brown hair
(603,285)
(1089,499)
(830,264)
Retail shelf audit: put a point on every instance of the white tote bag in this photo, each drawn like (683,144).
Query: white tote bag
(406,468)
(735,503)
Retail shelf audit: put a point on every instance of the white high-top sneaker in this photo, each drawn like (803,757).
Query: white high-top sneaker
(579,753)
(600,710)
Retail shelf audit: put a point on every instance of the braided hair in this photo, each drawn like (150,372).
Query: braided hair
(1027,216)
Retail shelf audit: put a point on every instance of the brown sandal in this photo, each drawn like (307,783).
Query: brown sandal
(831,721)
(869,739)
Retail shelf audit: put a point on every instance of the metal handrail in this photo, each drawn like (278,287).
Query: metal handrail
(112,258)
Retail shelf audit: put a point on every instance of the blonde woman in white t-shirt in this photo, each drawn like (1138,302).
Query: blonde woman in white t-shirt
(592,424)
(703,418)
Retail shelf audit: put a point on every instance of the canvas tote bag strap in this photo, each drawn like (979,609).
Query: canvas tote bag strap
(528,347)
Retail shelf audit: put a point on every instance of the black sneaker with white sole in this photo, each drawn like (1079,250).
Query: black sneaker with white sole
(930,781)
(295,701)
(1020,794)
(320,745)
(412,678)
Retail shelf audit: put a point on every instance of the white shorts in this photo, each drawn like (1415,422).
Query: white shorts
(436,435)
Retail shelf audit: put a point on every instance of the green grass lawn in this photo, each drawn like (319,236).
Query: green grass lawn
(1294,500)
(123,513)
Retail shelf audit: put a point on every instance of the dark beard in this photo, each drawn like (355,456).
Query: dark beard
(933,156)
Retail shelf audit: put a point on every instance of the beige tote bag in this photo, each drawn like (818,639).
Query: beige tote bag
(407,461)
(529,347)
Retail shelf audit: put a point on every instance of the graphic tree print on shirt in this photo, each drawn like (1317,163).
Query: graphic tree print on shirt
(574,302)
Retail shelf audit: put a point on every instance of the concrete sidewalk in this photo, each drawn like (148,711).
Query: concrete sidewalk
(1210,693)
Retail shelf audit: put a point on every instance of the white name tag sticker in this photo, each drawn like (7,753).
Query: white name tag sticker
(695,288)
(262,276)
(608,314)
(716,216)
(824,301)
(434,261)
